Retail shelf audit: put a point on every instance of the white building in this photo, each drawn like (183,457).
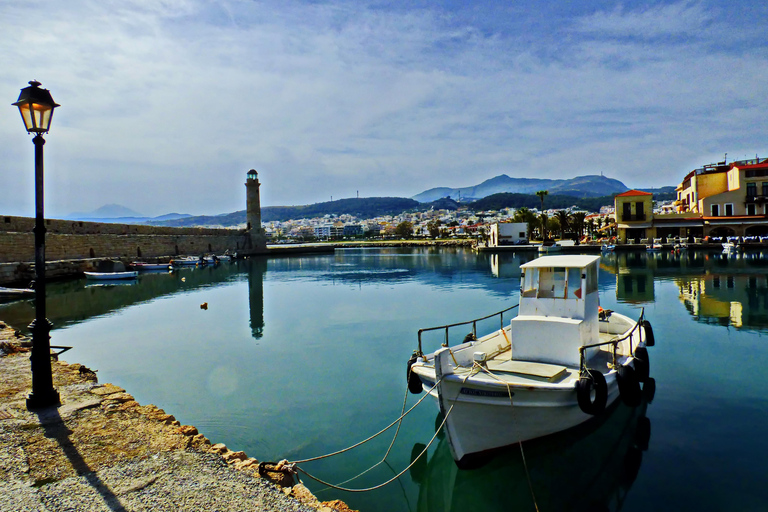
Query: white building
(508,233)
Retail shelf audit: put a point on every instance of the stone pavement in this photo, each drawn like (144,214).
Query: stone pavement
(101,450)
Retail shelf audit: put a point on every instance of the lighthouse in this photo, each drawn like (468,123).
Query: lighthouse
(253,211)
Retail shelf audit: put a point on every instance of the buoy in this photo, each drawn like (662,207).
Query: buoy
(650,340)
(414,382)
(629,386)
(592,392)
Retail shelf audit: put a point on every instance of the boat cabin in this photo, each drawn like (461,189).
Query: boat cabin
(558,309)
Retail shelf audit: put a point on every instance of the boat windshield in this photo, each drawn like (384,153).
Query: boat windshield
(552,283)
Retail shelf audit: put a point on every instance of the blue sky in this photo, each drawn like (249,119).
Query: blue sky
(166,104)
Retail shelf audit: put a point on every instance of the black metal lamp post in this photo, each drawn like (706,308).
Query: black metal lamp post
(36,107)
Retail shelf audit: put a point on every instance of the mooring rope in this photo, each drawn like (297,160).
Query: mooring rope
(520,443)
(371,437)
(339,488)
(383,459)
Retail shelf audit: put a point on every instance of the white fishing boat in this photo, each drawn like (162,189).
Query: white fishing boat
(561,361)
(16,293)
(104,276)
(187,261)
(729,247)
(141,266)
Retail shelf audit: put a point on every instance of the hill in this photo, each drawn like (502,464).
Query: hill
(364,208)
(581,186)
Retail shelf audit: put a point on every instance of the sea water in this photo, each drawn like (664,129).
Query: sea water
(297,357)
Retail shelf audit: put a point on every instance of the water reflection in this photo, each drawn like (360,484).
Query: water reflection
(717,288)
(591,467)
(73,301)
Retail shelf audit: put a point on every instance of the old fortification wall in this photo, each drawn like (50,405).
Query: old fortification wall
(68,240)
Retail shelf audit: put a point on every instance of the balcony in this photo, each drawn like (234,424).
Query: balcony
(756,198)
(632,218)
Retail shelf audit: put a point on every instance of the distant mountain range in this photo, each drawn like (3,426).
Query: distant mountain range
(581,186)
(119,214)
(587,192)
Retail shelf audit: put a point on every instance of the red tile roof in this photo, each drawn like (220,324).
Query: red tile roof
(634,193)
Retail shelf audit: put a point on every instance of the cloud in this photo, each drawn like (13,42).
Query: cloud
(166,105)
(680,18)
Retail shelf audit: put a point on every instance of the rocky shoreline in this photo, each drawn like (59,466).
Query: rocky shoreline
(101,450)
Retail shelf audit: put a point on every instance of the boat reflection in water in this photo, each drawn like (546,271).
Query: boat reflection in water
(589,467)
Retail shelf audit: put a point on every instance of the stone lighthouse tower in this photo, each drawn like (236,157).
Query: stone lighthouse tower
(258,241)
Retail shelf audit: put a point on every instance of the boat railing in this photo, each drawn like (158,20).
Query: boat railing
(615,342)
(474,322)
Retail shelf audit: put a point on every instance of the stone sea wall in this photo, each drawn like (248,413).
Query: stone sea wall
(70,240)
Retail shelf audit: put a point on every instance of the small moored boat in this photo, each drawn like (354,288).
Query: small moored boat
(558,363)
(104,276)
(188,261)
(15,293)
(141,266)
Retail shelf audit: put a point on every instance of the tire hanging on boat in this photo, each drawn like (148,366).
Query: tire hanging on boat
(642,364)
(650,340)
(629,386)
(592,392)
(414,382)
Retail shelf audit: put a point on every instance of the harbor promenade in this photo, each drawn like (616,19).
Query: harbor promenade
(102,451)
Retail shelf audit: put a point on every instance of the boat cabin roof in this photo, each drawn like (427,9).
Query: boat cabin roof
(567,261)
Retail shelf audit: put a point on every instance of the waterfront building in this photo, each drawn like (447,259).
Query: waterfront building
(507,233)
(718,200)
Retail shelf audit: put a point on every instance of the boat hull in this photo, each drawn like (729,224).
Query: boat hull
(529,414)
(111,276)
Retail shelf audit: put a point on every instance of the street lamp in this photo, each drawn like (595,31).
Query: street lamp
(36,107)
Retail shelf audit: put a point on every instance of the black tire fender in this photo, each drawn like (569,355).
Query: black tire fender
(650,340)
(629,386)
(414,382)
(592,392)
(642,364)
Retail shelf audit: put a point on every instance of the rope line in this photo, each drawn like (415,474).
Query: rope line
(339,488)
(405,401)
(520,443)
(371,437)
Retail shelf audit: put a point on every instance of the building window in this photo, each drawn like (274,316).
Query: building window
(728,210)
(765,188)
(715,210)
(752,189)
(751,210)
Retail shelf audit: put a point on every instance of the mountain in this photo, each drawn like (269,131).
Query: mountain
(108,211)
(118,214)
(581,186)
(364,208)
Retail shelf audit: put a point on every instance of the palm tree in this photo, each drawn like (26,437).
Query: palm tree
(577,221)
(562,220)
(541,194)
(523,214)
(543,218)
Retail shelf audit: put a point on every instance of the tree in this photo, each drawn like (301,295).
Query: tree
(577,222)
(404,229)
(541,194)
(562,221)
(543,218)
(434,228)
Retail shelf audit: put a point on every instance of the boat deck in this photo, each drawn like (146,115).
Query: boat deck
(502,368)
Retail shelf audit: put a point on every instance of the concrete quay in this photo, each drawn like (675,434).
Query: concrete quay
(102,451)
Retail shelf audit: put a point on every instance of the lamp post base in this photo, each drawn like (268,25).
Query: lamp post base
(36,401)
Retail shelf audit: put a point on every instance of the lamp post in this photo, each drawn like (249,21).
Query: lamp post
(36,107)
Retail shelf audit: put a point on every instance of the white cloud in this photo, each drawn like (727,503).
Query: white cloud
(166,105)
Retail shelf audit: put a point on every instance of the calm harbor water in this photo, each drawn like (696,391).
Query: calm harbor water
(296,357)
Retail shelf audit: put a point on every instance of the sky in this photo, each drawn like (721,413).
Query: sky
(166,104)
